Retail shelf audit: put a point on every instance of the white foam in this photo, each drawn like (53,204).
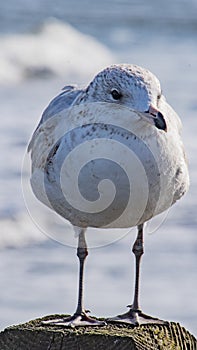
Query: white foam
(19,231)
(56,49)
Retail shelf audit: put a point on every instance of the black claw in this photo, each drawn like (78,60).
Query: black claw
(87,311)
(130,306)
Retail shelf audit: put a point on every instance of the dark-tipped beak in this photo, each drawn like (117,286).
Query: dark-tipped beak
(155,117)
(160,122)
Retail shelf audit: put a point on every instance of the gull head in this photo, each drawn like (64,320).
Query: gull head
(131,86)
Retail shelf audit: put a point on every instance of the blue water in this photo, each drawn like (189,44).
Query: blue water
(44,46)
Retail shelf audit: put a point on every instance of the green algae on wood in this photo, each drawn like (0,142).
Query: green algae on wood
(34,335)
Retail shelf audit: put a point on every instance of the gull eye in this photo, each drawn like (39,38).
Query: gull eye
(159,97)
(116,94)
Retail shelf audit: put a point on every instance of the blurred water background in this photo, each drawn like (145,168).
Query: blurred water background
(45,45)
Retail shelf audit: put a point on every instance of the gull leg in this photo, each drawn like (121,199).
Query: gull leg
(80,317)
(138,250)
(135,316)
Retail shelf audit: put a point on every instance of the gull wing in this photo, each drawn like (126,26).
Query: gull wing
(63,101)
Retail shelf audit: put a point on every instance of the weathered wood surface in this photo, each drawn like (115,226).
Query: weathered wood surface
(34,336)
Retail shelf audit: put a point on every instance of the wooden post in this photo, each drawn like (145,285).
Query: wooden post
(36,336)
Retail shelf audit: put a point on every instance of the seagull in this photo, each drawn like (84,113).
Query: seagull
(121,133)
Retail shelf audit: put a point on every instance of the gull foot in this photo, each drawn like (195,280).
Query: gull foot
(135,318)
(75,321)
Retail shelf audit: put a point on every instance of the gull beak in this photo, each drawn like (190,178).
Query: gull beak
(155,117)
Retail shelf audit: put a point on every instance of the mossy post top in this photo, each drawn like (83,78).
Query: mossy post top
(33,335)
